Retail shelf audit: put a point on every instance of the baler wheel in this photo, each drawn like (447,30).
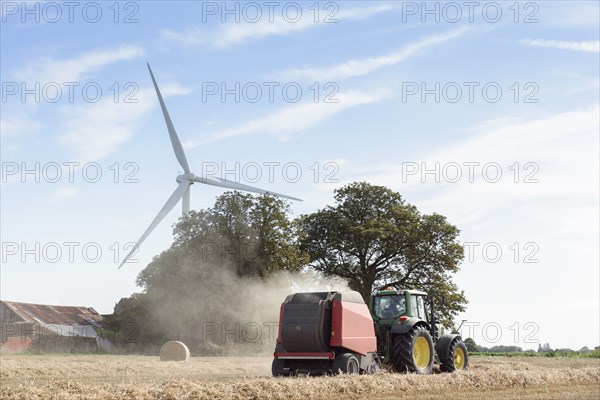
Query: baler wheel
(346,363)
(413,351)
(277,367)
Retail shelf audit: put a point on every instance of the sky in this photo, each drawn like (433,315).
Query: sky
(485,112)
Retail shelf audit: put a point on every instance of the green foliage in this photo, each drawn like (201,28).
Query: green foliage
(544,350)
(500,349)
(505,354)
(590,354)
(564,354)
(373,238)
(471,345)
(252,236)
(135,330)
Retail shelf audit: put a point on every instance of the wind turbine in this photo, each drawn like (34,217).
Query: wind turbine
(187,179)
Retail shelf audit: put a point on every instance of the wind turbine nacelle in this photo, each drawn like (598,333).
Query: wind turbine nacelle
(188,177)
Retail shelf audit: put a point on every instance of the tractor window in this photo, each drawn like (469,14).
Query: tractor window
(389,307)
(421,308)
(413,306)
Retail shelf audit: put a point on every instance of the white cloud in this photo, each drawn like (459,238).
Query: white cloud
(189,37)
(366,65)
(63,193)
(357,14)
(237,33)
(297,118)
(571,14)
(74,69)
(564,147)
(18,126)
(591,46)
(93,131)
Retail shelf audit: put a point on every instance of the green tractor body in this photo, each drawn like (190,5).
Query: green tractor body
(408,336)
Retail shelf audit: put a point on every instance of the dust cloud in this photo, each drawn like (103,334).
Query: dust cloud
(231,315)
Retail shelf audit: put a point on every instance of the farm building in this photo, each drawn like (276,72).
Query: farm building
(41,327)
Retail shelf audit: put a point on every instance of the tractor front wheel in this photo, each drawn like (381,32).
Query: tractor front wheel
(413,351)
(458,357)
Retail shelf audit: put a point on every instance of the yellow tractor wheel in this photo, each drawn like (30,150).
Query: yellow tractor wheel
(457,357)
(413,351)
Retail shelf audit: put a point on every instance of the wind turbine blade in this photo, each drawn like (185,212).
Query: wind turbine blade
(177,148)
(185,202)
(171,202)
(239,186)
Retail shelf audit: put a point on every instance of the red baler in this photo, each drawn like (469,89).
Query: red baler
(325,332)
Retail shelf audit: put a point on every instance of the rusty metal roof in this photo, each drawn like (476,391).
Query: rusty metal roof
(60,315)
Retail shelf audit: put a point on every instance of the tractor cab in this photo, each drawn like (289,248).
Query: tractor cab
(389,307)
(408,335)
(390,304)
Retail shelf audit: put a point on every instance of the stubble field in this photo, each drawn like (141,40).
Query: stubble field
(68,377)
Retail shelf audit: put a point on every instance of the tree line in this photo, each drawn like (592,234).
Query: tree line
(371,237)
(543,349)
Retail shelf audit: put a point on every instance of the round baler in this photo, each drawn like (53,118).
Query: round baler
(325,332)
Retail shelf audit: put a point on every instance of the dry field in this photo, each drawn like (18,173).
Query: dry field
(70,377)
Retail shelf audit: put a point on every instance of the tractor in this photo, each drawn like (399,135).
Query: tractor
(408,335)
(331,332)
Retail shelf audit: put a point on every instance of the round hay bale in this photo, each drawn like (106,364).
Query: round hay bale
(174,351)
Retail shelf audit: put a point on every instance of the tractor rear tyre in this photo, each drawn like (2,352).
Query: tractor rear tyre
(346,363)
(458,357)
(413,351)
(277,367)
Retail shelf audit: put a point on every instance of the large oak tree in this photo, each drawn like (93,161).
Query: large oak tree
(374,239)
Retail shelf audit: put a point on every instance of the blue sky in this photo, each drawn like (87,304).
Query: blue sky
(375,91)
